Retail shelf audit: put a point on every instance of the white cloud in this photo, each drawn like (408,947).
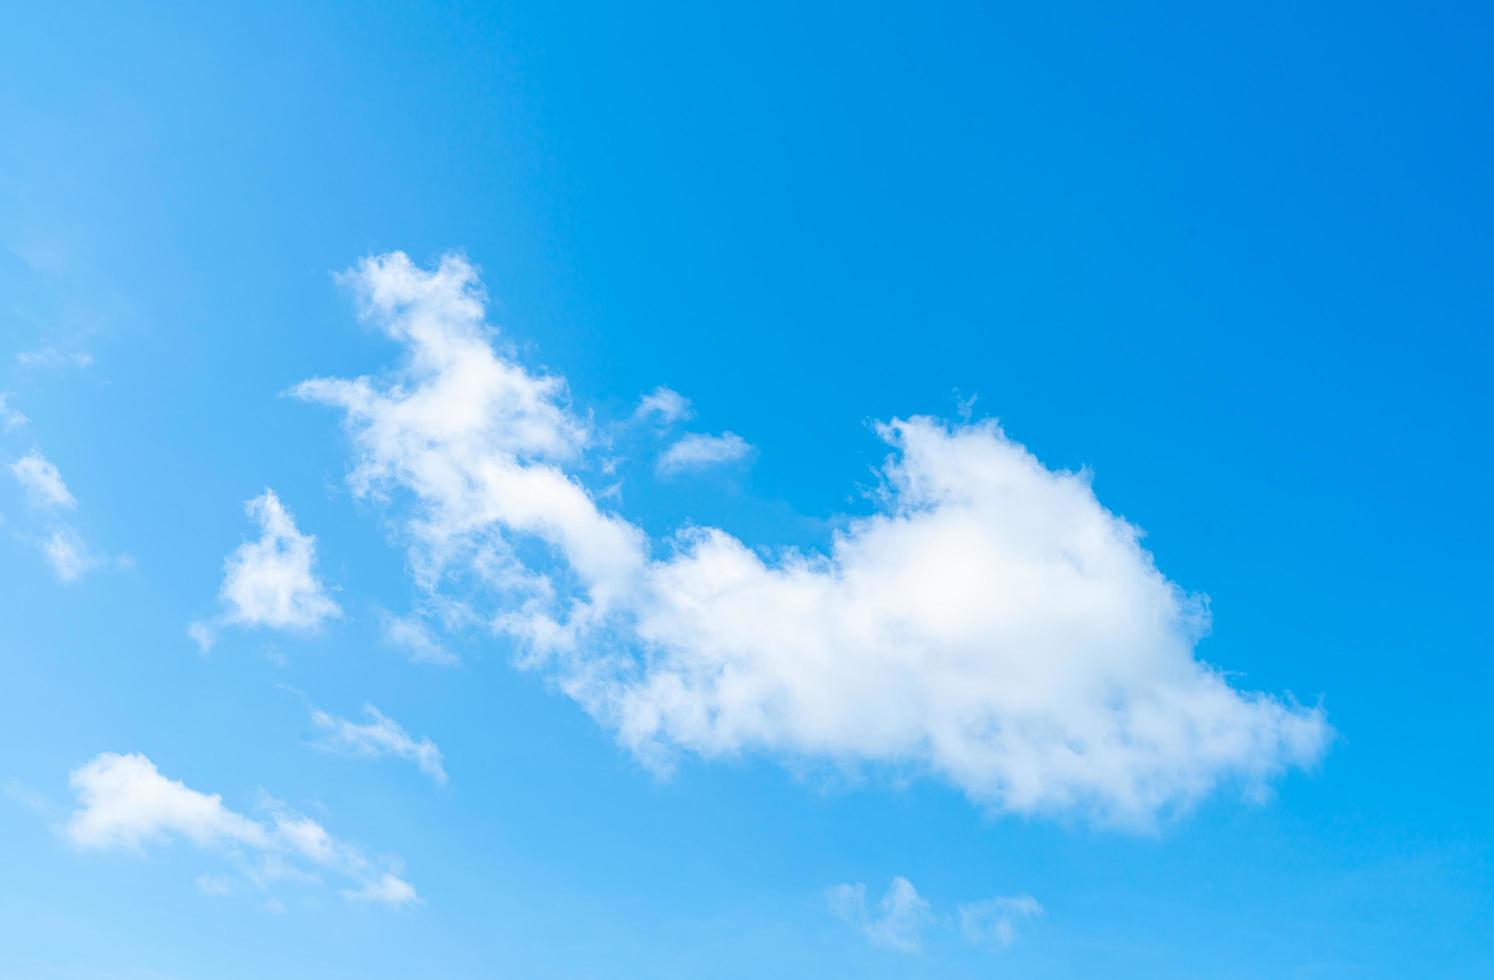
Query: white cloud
(63,547)
(9,417)
(412,635)
(993,922)
(203,634)
(67,554)
(386,888)
(991,623)
(42,482)
(897,922)
(665,405)
(473,437)
(50,357)
(270,582)
(124,803)
(697,451)
(901,918)
(379,736)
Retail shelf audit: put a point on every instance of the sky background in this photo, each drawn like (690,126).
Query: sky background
(1233,264)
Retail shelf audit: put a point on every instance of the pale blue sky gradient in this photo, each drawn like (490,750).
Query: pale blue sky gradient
(1234,264)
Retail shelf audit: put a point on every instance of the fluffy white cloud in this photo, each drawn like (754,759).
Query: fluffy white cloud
(124,803)
(993,922)
(379,736)
(42,482)
(897,922)
(697,452)
(270,582)
(664,405)
(474,438)
(991,623)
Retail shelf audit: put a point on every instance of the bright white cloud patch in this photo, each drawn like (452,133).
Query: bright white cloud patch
(994,921)
(697,452)
(475,439)
(124,803)
(379,736)
(270,582)
(898,920)
(42,482)
(991,623)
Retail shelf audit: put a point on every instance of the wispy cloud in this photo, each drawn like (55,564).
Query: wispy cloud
(64,549)
(415,637)
(993,922)
(42,482)
(9,417)
(898,920)
(697,451)
(51,357)
(125,803)
(664,406)
(378,737)
(217,885)
(67,554)
(901,918)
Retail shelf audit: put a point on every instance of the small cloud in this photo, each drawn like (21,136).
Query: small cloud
(270,582)
(896,923)
(900,919)
(51,357)
(415,638)
(42,482)
(203,634)
(993,922)
(388,889)
(380,736)
(67,554)
(63,547)
(9,417)
(664,405)
(126,804)
(697,451)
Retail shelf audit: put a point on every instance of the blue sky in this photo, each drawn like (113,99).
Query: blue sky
(842,491)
